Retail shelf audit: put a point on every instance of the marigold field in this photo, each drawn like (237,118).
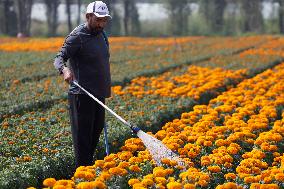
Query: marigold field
(217,102)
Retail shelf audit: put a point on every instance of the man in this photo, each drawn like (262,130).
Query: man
(87,49)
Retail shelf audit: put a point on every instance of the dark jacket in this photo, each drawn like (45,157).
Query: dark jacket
(88,54)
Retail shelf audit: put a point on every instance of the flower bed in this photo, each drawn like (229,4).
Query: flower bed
(147,101)
(234,141)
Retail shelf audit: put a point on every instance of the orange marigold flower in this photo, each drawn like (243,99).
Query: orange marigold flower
(134,168)
(202,183)
(159,173)
(249,179)
(174,185)
(255,186)
(161,180)
(279,177)
(214,169)
(98,184)
(231,176)
(60,186)
(49,182)
(99,163)
(131,182)
(189,186)
(117,171)
(147,182)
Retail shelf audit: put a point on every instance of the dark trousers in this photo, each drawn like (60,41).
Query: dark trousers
(87,121)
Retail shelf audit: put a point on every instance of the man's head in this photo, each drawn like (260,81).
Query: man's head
(97,16)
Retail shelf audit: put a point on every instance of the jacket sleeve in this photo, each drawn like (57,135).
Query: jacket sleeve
(71,46)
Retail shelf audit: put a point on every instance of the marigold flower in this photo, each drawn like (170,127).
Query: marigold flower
(131,182)
(134,168)
(117,171)
(138,186)
(202,183)
(105,175)
(249,179)
(189,186)
(159,173)
(231,176)
(60,186)
(160,180)
(174,185)
(99,163)
(49,182)
(98,184)
(279,177)
(147,182)
(214,169)
(255,186)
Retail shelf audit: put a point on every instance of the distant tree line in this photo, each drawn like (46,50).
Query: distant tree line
(226,17)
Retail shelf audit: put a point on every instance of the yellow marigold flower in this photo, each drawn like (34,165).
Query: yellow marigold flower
(134,168)
(171,179)
(214,169)
(131,182)
(49,182)
(161,180)
(189,186)
(174,185)
(31,188)
(147,182)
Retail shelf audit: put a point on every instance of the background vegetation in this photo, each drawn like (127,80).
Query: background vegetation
(184,17)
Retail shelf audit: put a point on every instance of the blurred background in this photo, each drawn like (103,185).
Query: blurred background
(46,18)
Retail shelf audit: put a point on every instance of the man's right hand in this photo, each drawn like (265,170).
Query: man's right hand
(67,75)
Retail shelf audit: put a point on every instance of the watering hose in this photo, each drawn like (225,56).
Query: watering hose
(133,128)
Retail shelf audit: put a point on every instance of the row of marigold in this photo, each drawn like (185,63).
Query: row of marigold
(235,141)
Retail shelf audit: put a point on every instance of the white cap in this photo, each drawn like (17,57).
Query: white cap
(99,8)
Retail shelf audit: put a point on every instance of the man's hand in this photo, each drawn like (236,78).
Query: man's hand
(67,75)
